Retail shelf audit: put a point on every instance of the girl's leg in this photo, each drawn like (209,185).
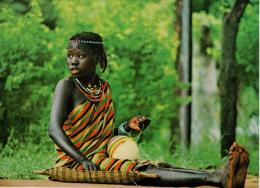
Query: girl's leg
(231,175)
(180,177)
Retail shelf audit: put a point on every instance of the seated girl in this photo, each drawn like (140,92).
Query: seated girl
(82,124)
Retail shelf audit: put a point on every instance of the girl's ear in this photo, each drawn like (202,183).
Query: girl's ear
(98,59)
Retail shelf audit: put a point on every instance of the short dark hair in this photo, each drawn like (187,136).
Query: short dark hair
(97,48)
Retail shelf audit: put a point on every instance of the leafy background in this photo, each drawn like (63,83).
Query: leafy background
(141,47)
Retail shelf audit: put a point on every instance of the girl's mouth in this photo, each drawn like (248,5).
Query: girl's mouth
(74,71)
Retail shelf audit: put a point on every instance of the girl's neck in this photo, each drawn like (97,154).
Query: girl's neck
(89,79)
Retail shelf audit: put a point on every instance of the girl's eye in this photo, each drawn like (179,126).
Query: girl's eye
(69,56)
(81,56)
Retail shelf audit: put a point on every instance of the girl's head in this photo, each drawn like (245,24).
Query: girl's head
(86,49)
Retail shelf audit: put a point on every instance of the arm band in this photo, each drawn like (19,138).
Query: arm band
(121,130)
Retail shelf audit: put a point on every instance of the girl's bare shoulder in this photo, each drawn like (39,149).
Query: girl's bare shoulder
(65,85)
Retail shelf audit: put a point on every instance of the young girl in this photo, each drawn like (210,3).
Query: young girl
(82,124)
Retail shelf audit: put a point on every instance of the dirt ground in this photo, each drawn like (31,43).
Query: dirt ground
(251,182)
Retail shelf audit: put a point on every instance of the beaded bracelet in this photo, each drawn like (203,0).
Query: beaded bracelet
(121,130)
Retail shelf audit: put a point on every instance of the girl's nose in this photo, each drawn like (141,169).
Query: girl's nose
(74,61)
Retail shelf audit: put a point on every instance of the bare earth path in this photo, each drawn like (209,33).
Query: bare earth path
(251,182)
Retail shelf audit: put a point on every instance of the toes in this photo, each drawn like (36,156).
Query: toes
(237,153)
(241,146)
(233,147)
(242,149)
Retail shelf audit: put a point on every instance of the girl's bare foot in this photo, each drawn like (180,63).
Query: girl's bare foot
(241,169)
(228,171)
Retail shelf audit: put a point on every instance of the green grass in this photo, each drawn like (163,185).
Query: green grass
(20,164)
(199,157)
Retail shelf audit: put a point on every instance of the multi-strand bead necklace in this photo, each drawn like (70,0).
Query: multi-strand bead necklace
(93,92)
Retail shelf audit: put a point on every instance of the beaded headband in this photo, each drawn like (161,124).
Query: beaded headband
(85,41)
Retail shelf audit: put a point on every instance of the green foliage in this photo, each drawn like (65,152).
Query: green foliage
(141,47)
(247,55)
(215,25)
(24,54)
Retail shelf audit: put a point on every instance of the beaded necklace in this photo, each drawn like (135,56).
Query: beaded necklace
(93,92)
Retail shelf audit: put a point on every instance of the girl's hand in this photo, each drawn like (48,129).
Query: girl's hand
(136,122)
(89,166)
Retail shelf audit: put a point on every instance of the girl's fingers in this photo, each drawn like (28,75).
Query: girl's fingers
(137,128)
(136,122)
(142,118)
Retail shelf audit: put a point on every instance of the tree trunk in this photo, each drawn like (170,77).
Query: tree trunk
(183,65)
(4,128)
(175,128)
(228,82)
(205,96)
(205,39)
(185,60)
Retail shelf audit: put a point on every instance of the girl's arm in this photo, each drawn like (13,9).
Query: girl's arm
(59,112)
(137,123)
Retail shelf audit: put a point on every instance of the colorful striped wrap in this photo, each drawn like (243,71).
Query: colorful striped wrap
(90,127)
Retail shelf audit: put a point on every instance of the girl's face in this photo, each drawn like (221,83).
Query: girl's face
(81,61)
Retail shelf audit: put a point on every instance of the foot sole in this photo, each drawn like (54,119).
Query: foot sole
(234,157)
(241,169)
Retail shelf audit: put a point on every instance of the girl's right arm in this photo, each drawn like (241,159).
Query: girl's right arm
(59,112)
